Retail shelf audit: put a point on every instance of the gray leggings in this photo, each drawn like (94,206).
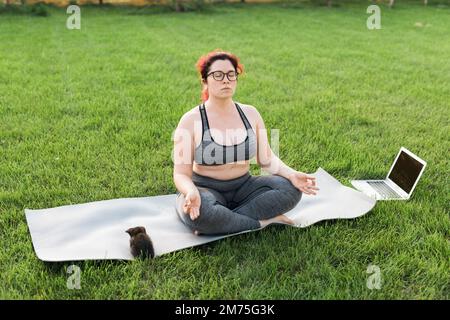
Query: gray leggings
(230,206)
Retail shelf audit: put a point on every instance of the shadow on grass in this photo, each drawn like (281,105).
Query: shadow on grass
(255,237)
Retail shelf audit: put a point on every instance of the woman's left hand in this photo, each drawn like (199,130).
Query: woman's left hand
(305,183)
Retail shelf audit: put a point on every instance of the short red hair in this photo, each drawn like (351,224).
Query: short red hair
(204,63)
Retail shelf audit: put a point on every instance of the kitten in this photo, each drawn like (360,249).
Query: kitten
(140,243)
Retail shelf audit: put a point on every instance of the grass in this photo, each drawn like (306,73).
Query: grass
(88,114)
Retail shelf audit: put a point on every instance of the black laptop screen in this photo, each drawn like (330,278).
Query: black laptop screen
(406,171)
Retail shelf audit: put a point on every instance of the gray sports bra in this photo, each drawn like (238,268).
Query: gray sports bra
(208,152)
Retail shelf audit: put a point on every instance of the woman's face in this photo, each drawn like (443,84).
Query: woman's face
(224,88)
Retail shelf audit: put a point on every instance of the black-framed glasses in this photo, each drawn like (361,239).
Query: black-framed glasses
(219,75)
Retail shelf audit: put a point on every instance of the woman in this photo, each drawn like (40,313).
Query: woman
(212,153)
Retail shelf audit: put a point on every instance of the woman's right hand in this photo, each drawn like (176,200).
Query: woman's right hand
(192,202)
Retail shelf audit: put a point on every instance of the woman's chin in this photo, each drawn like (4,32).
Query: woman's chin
(226,93)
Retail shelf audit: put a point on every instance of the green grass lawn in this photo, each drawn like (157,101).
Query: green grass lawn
(88,115)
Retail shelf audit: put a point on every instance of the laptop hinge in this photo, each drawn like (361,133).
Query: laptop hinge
(396,188)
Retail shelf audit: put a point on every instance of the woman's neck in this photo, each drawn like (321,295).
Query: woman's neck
(219,105)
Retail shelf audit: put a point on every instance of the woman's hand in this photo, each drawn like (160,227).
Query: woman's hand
(192,203)
(303,182)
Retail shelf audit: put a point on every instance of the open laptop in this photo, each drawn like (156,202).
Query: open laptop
(400,182)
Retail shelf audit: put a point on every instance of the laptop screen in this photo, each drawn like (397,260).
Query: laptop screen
(405,171)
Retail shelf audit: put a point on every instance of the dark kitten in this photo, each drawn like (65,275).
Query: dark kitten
(140,243)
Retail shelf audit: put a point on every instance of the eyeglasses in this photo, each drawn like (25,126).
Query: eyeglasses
(219,75)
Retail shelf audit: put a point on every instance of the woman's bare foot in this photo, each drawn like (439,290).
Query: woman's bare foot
(278,219)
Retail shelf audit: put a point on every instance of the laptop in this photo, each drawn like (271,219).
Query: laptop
(400,182)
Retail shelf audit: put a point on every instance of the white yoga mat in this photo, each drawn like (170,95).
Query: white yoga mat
(96,230)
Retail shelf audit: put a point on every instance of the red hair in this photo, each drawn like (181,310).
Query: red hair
(204,63)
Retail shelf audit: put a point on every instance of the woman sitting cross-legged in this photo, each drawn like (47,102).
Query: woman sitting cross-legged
(213,145)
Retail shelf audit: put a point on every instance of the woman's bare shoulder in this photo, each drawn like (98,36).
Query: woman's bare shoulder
(245,106)
(250,110)
(189,118)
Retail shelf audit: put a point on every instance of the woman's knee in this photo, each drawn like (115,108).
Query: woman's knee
(204,223)
(287,189)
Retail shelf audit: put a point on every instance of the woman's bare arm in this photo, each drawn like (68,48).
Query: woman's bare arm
(183,154)
(266,159)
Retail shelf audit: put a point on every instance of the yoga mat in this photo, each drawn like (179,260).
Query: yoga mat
(96,230)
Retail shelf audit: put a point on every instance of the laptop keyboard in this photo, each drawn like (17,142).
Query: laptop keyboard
(383,189)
